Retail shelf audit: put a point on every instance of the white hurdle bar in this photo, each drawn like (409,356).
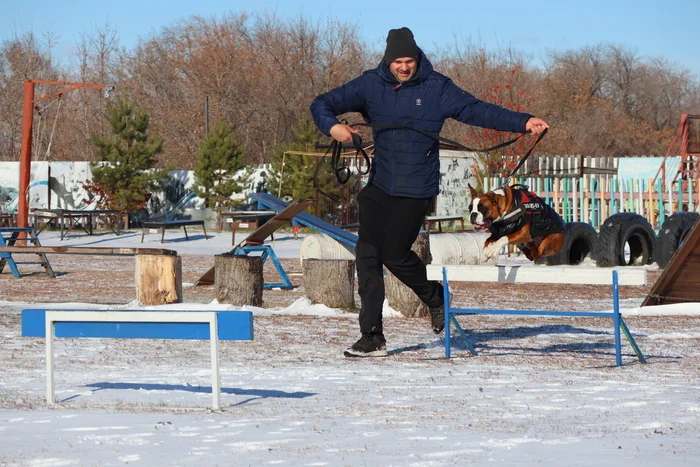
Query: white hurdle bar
(517,274)
(53,317)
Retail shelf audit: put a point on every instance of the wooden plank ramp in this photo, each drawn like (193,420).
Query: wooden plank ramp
(679,283)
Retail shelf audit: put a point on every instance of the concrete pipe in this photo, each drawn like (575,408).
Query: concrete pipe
(321,246)
(445,248)
(459,248)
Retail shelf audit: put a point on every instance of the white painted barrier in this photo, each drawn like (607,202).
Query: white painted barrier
(445,248)
(538,274)
(131,317)
(459,248)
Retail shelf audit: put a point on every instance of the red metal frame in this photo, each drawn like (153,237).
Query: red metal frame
(25,156)
(682,133)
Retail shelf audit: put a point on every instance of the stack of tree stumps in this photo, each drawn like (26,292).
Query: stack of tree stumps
(331,282)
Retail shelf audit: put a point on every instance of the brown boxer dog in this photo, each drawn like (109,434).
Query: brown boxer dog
(516,216)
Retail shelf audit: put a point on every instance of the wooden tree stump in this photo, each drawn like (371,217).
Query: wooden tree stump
(400,297)
(330,282)
(238,279)
(158,279)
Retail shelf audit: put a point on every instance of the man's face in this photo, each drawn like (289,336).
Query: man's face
(403,68)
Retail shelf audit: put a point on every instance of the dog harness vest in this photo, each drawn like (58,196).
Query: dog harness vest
(527,208)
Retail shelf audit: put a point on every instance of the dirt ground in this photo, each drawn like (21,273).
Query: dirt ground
(110,280)
(538,342)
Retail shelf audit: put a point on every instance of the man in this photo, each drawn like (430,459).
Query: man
(405,173)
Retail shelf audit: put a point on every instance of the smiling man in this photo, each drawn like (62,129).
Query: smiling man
(403,90)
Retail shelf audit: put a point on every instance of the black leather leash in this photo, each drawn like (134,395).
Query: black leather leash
(342,172)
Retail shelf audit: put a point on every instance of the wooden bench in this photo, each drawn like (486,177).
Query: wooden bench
(142,324)
(244,220)
(162,226)
(7,220)
(68,219)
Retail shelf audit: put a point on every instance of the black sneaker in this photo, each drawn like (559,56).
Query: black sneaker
(369,345)
(437,318)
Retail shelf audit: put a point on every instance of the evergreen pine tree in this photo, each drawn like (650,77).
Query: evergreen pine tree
(219,159)
(125,174)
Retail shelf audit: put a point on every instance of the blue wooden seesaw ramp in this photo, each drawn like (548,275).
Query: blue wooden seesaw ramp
(286,213)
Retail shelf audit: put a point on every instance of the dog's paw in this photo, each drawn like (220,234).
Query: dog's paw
(491,251)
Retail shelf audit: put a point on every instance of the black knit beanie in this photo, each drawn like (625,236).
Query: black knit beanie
(400,43)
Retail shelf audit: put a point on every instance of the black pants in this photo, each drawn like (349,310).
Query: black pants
(388,227)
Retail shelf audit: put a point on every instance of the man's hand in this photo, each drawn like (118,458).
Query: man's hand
(343,133)
(535,125)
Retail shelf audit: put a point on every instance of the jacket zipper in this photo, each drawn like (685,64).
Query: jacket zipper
(393,141)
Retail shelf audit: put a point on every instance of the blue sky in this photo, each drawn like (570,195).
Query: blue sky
(651,28)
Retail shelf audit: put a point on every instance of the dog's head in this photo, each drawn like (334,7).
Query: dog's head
(487,207)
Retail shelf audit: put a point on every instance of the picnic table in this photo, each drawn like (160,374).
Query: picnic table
(7,220)
(430,220)
(73,219)
(244,220)
(175,224)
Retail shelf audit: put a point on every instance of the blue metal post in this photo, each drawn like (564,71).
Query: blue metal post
(446,297)
(616,318)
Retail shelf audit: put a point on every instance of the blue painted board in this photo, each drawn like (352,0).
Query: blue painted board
(233,326)
(304,218)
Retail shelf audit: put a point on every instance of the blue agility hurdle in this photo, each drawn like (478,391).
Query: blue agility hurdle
(618,322)
(138,324)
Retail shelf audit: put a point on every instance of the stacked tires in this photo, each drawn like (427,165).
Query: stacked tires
(579,243)
(625,239)
(671,236)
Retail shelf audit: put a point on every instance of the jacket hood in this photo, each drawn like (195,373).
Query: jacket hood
(425,69)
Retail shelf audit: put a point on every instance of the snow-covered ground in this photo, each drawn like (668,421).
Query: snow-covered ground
(543,391)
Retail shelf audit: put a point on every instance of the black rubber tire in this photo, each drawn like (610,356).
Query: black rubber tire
(621,230)
(672,234)
(579,243)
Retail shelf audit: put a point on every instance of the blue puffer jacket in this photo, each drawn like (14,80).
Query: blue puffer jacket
(405,162)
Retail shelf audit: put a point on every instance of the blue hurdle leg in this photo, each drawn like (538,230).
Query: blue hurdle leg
(632,342)
(466,340)
(450,317)
(446,298)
